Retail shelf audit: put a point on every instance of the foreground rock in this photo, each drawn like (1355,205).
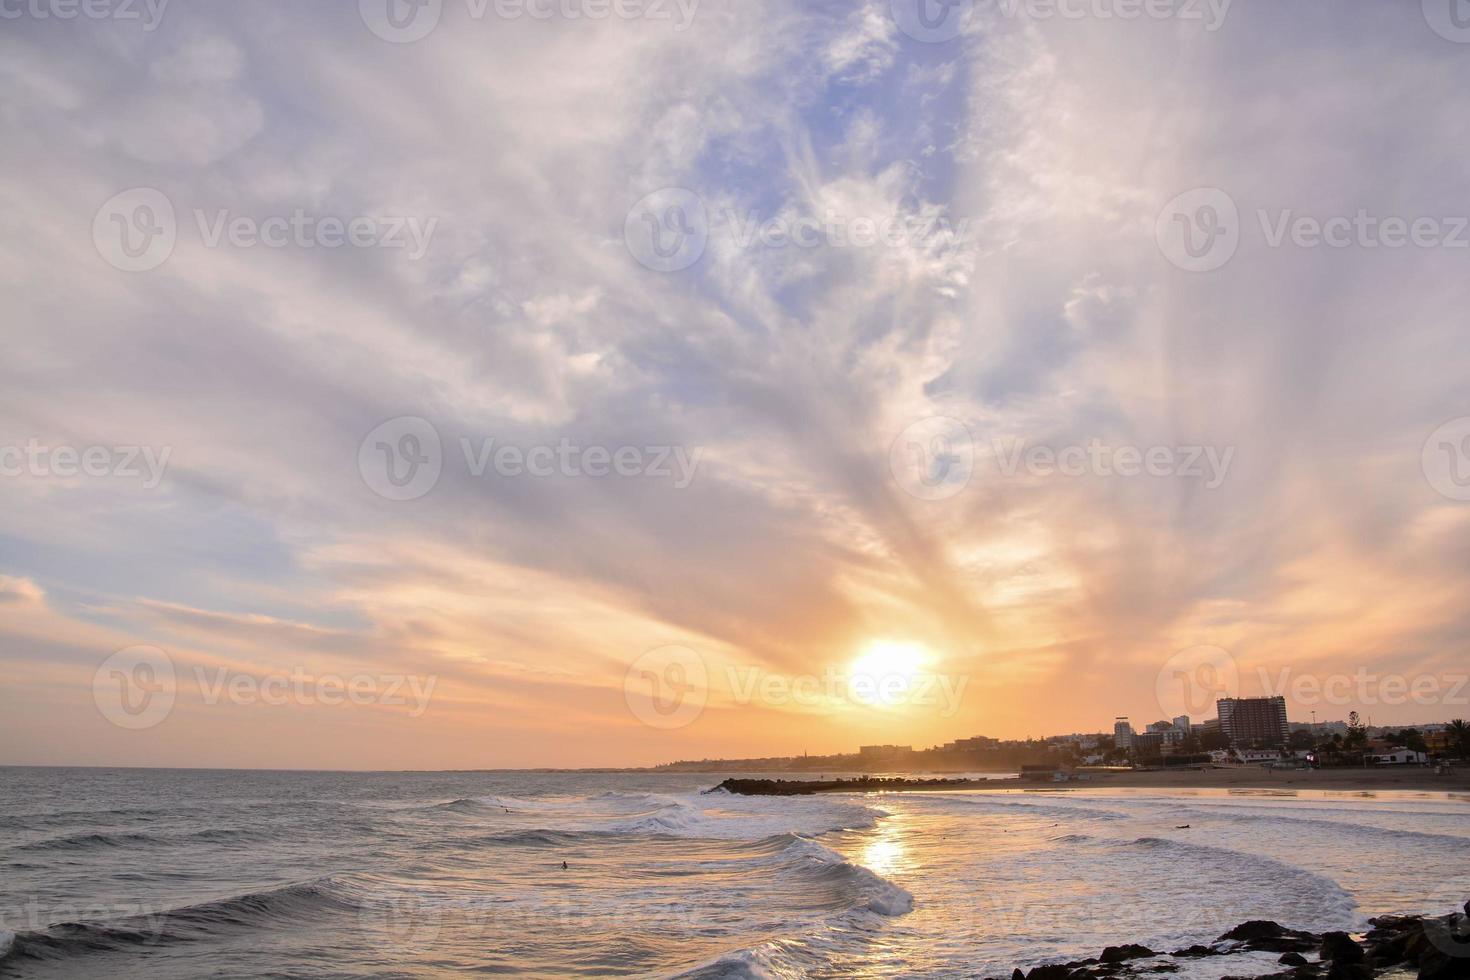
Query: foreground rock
(1431,948)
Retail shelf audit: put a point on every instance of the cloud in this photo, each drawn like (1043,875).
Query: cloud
(1025,297)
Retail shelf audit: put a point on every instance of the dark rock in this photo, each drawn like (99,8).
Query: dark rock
(1348,970)
(1132,951)
(1016,974)
(1292,959)
(1195,951)
(1442,948)
(1270,937)
(1340,947)
(1439,965)
(1254,929)
(1055,972)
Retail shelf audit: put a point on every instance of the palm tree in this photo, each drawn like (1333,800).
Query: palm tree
(1460,735)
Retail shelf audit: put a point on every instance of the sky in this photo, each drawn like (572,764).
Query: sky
(484,384)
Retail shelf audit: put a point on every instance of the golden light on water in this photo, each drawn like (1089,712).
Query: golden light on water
(885,854)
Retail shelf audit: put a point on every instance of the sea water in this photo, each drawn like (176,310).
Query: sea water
(155,873)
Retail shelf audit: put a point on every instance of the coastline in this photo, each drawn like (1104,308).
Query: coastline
(1355,781)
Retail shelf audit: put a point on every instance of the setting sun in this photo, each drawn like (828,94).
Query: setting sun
(889,669)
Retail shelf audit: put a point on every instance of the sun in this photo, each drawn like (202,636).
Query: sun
(884,673)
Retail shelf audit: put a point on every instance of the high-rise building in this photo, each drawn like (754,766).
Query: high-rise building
(1254,722)
(1122,733)
(1182,723)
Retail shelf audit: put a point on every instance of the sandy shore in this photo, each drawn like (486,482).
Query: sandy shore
(1361,781)
(1407,778)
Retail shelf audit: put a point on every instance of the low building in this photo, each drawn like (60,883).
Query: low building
(879,753)
(1401,757)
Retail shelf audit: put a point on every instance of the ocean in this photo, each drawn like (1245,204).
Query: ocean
(163,874)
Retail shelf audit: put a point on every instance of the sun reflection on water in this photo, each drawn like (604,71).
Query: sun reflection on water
(886,854)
